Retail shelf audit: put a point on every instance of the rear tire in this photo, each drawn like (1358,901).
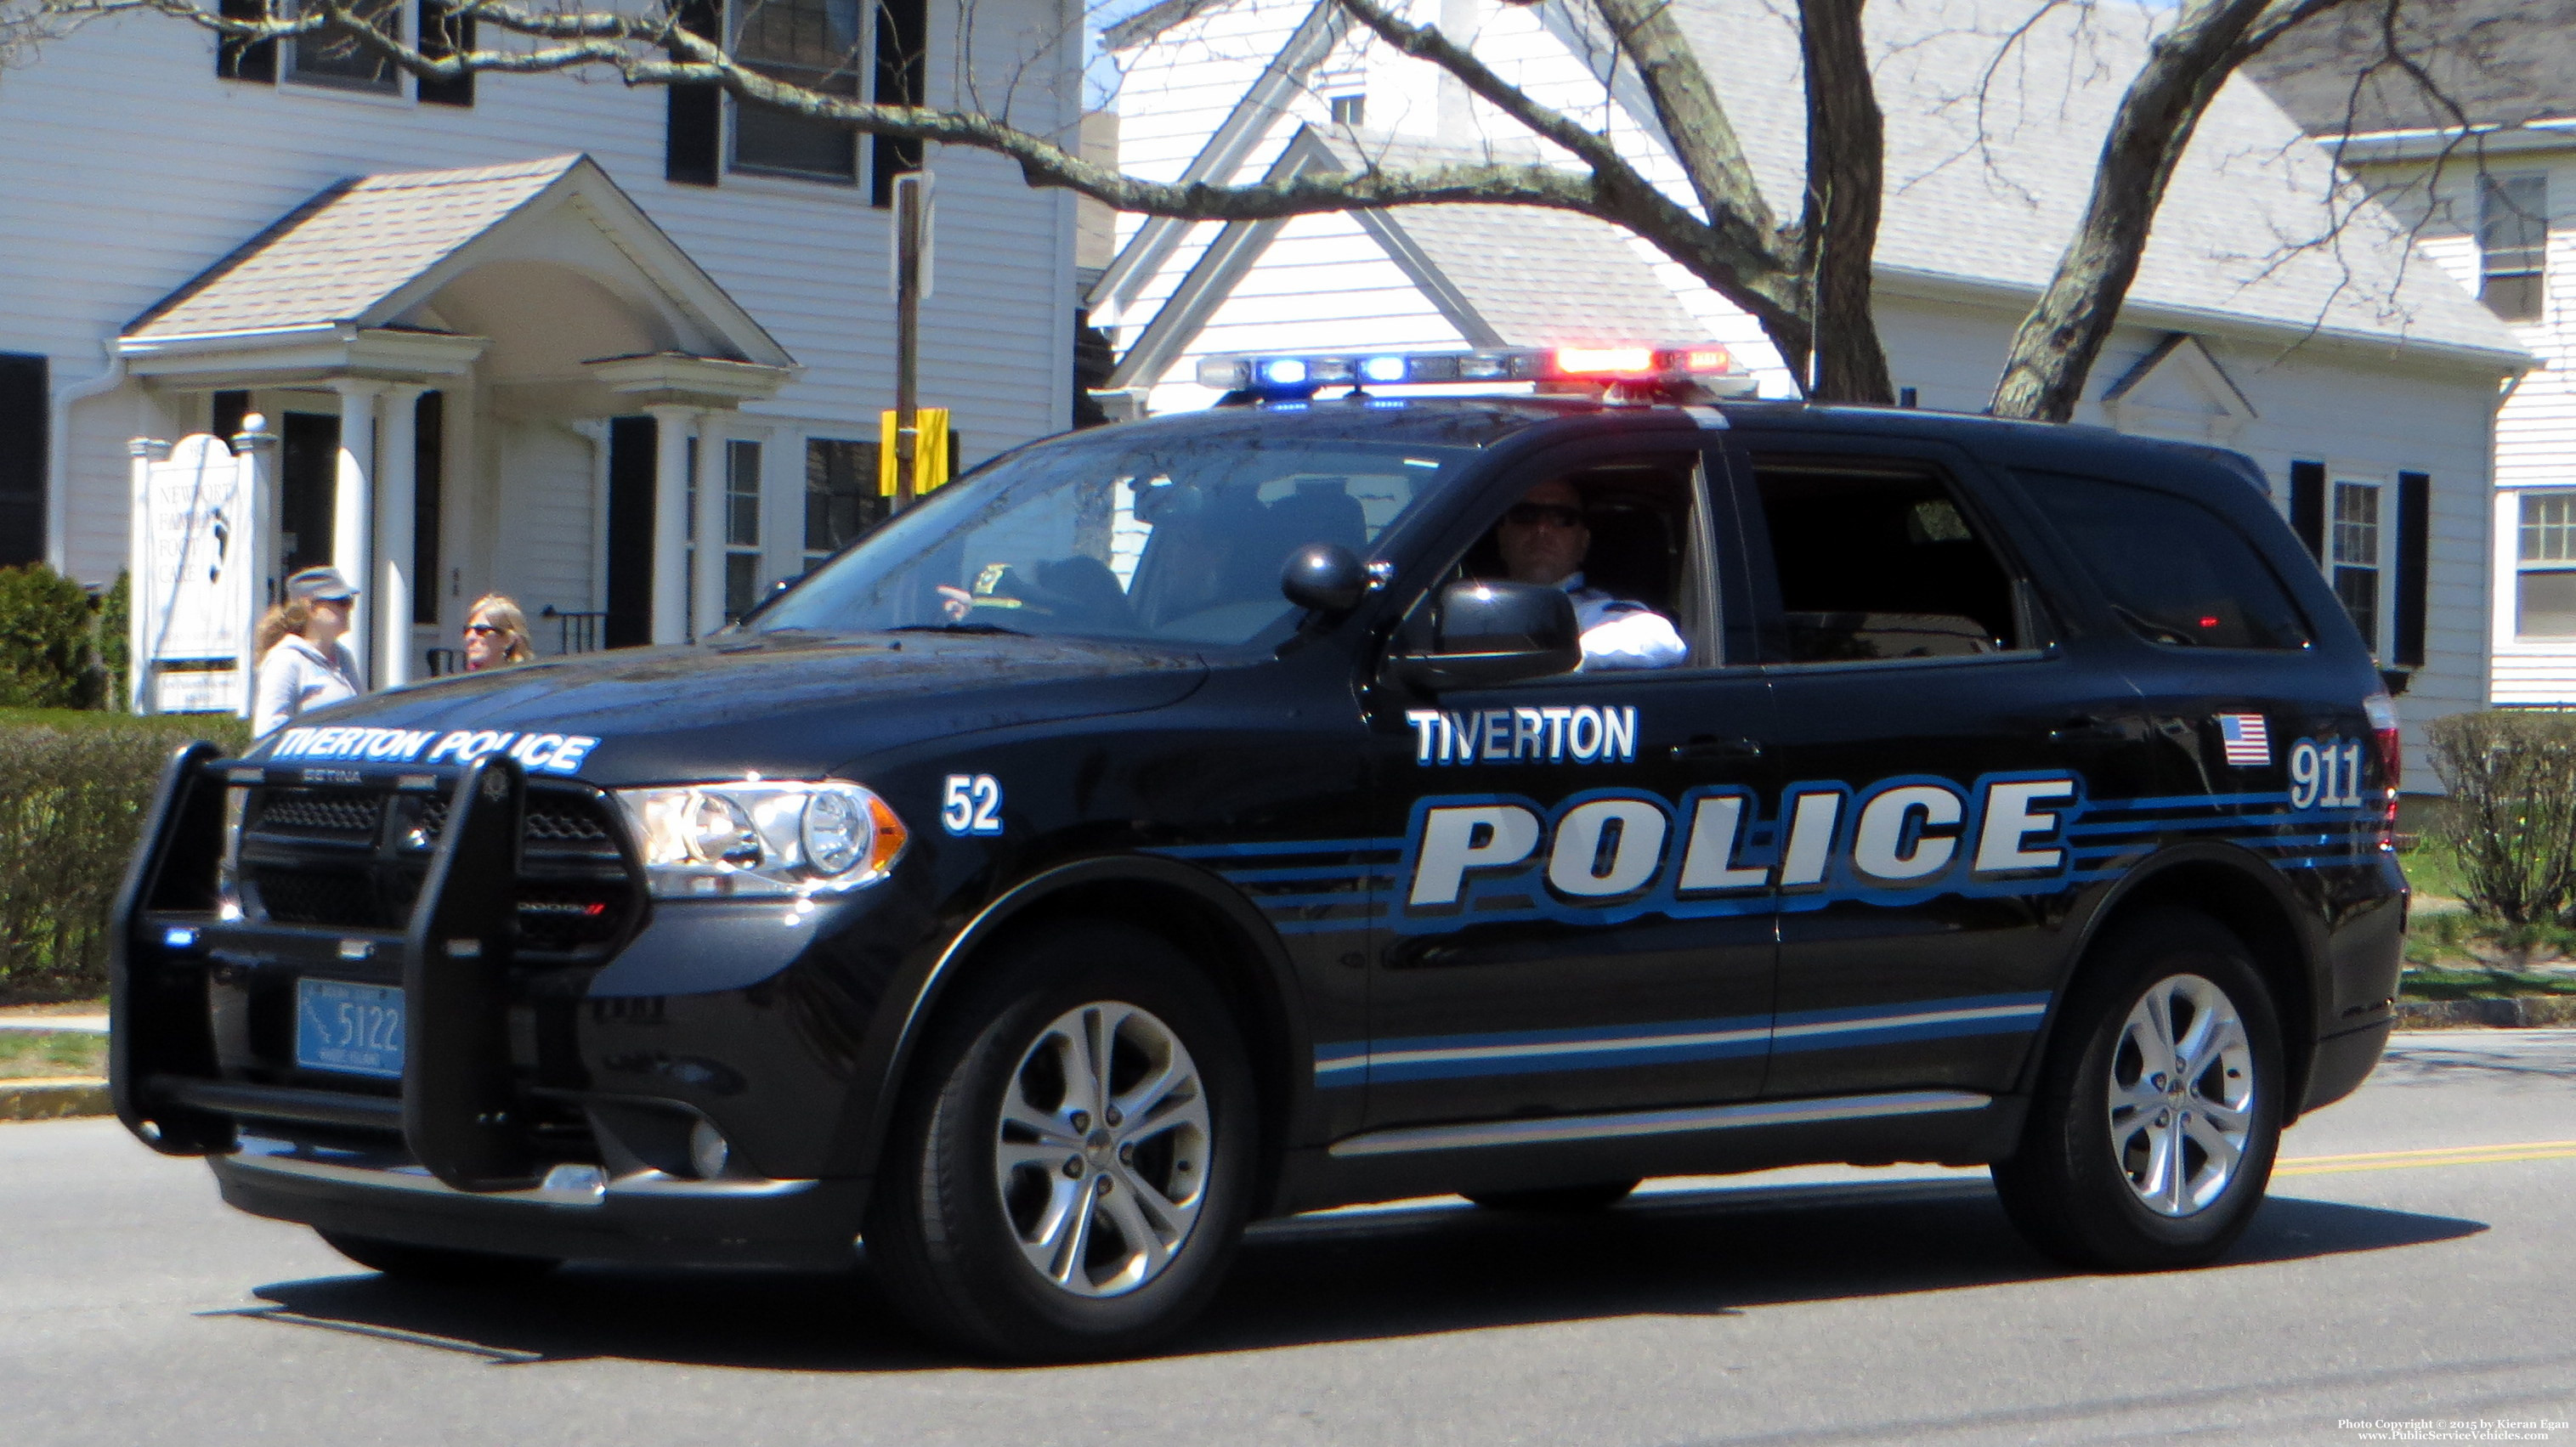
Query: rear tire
(2151,1137)
(1070,1168)
(1557,1200)
(437,1265)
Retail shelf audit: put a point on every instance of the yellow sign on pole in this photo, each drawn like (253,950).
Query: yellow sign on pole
(930,460)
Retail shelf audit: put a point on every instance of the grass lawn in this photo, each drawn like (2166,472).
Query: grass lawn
(31,1054)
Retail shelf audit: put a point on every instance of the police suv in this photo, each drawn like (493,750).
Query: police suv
(1209,818)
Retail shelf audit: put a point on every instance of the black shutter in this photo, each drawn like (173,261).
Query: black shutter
(2414,564)
(230,409)
(2308,506)
(443,33)
(903,35)
(693,138)
(429,470)
(24,417)
(631,445)
(236,61)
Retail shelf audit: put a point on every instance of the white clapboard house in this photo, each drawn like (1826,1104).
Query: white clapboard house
(501,327)
(2365,386)
(2492,187)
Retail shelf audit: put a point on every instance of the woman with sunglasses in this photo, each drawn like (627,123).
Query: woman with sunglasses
(302,662)
(496,634)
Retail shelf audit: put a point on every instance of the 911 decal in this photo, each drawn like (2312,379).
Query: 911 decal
(2325,773)
(1615,854)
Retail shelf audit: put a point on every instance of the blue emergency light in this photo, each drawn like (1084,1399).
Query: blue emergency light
(1301,375)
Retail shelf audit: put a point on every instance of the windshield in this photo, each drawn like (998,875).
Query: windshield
(1127,533)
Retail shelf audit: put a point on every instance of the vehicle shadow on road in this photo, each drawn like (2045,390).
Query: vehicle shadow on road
(1343,1276)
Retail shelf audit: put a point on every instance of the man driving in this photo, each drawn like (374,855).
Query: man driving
(1543,540)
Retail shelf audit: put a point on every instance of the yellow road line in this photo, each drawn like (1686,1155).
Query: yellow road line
(2437,1156)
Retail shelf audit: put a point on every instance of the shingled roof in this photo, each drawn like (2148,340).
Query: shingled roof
(1985,183)
(2499,62)
(339,256)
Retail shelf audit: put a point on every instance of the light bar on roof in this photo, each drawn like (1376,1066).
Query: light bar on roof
(1300,374)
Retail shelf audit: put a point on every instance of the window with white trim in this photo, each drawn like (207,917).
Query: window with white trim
(842,499)
(336,59)
(2544,604)
(1349,110)
(2513,245)
(2354,551)
(820,45)
(742,526)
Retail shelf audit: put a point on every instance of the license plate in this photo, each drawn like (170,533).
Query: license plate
(351,1029)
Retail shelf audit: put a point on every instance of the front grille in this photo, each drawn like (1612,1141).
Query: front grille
(337,897)
(575,898)
(320,813)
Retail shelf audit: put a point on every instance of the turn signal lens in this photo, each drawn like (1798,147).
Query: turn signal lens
(762,837)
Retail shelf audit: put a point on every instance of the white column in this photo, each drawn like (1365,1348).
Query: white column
(140,695)
(353,503)
(707,594)
(670,522)
(260,581)
(395,488)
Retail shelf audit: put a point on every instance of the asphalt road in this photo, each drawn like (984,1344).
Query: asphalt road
(1809,1307)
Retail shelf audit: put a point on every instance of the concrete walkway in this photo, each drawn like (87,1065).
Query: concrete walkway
(82,1024)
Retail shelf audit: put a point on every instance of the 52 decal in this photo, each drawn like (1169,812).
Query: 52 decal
(971,804)
(2325,773)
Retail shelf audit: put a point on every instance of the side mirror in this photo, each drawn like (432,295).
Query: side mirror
(1490,633)
(1326,577)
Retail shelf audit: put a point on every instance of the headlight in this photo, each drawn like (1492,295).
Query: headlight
(762,838)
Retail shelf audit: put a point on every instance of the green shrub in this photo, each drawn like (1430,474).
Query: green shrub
(45,630)
(2511,820)
(72,792)
(115,614)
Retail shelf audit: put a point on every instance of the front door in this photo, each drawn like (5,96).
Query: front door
(1569,928)
(1936,738)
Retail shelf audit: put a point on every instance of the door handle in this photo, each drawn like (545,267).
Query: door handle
(1709,746)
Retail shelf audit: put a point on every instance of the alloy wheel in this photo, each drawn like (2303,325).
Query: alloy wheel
(2182,1095)
(1102,1149)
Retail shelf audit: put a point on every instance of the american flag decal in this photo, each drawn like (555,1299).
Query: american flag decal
(2248,740)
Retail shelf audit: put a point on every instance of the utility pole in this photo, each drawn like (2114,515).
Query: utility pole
(911,277)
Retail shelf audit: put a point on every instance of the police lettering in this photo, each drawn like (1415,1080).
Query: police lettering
(1898,836)
(1578,733)
(544,753)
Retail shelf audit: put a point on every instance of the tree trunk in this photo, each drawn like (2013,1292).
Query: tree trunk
(2055,348)
(1846,144)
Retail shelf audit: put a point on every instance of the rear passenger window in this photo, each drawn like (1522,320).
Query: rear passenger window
(2175,572)
(1882,563)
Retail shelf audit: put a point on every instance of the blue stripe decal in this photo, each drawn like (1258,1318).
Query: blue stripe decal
(1307,871)
(1279,846)
(2191,801)
(1440,1057)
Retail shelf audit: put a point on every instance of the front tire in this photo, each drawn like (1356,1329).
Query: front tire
(2151,1139)
(1068,1176)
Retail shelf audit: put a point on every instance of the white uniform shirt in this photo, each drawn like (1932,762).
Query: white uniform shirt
(295,676)
(1618,633)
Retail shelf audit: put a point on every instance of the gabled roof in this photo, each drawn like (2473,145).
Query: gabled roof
(2501,62)
(1502,275)
(1521,275)
(1995,110)
(365,251)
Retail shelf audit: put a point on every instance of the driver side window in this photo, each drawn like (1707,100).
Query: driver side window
(1626,538)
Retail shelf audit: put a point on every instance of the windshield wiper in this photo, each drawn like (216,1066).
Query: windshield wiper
(983,628)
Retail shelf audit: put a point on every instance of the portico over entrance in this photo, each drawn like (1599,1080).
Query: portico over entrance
(504,378)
